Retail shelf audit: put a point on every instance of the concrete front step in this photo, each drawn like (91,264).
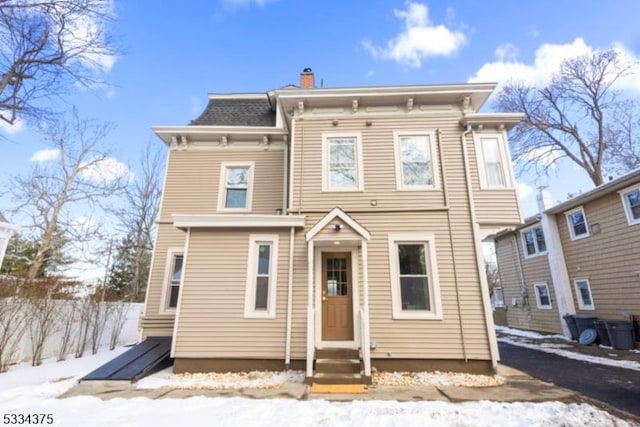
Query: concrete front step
(321,378)
(337,353)
(338,366)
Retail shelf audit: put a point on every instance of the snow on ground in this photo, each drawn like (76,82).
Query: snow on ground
(217,381)
(520,338)
(25,390)
(527,334)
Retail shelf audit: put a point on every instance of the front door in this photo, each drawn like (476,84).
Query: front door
(337,306)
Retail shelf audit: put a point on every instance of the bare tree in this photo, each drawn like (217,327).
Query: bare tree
(15,317)
(137,218)
(575,116)
(81,175)
(47,46)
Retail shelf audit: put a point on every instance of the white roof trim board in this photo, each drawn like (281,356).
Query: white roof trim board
(338,213)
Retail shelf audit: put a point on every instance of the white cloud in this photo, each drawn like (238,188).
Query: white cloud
(45,155)
(420,38)
(106,170)
(524,190)
(11,129)
(548,58)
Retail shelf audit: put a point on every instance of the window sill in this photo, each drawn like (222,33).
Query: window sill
(254,315)
(416,316)
(580,237)
(343,190)
(418,188)
(539,254)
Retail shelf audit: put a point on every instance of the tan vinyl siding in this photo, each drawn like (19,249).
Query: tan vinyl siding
(212,323)
(193,179)
(378,164)
(513,267)
(610,258)
(155,321)
(492,206)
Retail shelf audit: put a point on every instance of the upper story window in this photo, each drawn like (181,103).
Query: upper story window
(533,241)
(236,182)
(494,167)
(342,162)
(415,160)
(577,223)
(631,203)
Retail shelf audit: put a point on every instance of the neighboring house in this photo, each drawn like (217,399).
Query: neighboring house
(581,256)
(6,231)
(306,224)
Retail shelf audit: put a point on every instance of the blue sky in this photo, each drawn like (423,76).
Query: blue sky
(174,54)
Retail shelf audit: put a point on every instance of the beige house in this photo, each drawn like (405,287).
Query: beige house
(332,230)
(581,256)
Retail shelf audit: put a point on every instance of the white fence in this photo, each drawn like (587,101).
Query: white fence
(130,333)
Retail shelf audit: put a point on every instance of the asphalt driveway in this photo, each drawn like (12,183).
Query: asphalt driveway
(614,386)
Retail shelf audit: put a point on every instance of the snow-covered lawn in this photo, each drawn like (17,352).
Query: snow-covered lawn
(25,390)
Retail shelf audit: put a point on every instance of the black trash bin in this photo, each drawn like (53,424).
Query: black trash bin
(584,321)
(620,334)
(571,324)
(603,334)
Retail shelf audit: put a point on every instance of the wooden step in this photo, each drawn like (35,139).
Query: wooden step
(322,378)
(337,353)
(338,366)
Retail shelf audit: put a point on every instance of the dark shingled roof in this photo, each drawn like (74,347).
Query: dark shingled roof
(237,112)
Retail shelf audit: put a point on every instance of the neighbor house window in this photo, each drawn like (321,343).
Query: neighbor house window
(260,295)
(577,222)
(342,163)
(497,298)
(415,160)
(415,290)
(236,181)
(533,241)
(583,294)
(543,297)
(493,162)
(175,267)
(631,203)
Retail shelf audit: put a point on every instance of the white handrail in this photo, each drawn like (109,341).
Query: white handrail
(364,340)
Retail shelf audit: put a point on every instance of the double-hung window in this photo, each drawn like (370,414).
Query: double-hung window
(583,294)
(342,162)
(494,167)
(577,223)
(236,182)
(533,242)
(415,290)
(262,274)
(175,266)
(543,297)
(415,160)
(631,203)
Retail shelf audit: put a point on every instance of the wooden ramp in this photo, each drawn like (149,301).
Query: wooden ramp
(136,362)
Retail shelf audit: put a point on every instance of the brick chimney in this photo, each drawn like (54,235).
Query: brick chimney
(307,80)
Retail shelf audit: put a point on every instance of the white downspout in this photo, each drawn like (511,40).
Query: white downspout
(555,258)
(287,348)
(484,286)
(310,311)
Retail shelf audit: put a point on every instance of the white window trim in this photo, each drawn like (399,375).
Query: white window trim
(435,167)
(507,168)
(222,186)
(326,163)
(252,263)
(572,232)
(538,303)
(535,241)
(581,303)
(627,206)
(166,288)
(434,284)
